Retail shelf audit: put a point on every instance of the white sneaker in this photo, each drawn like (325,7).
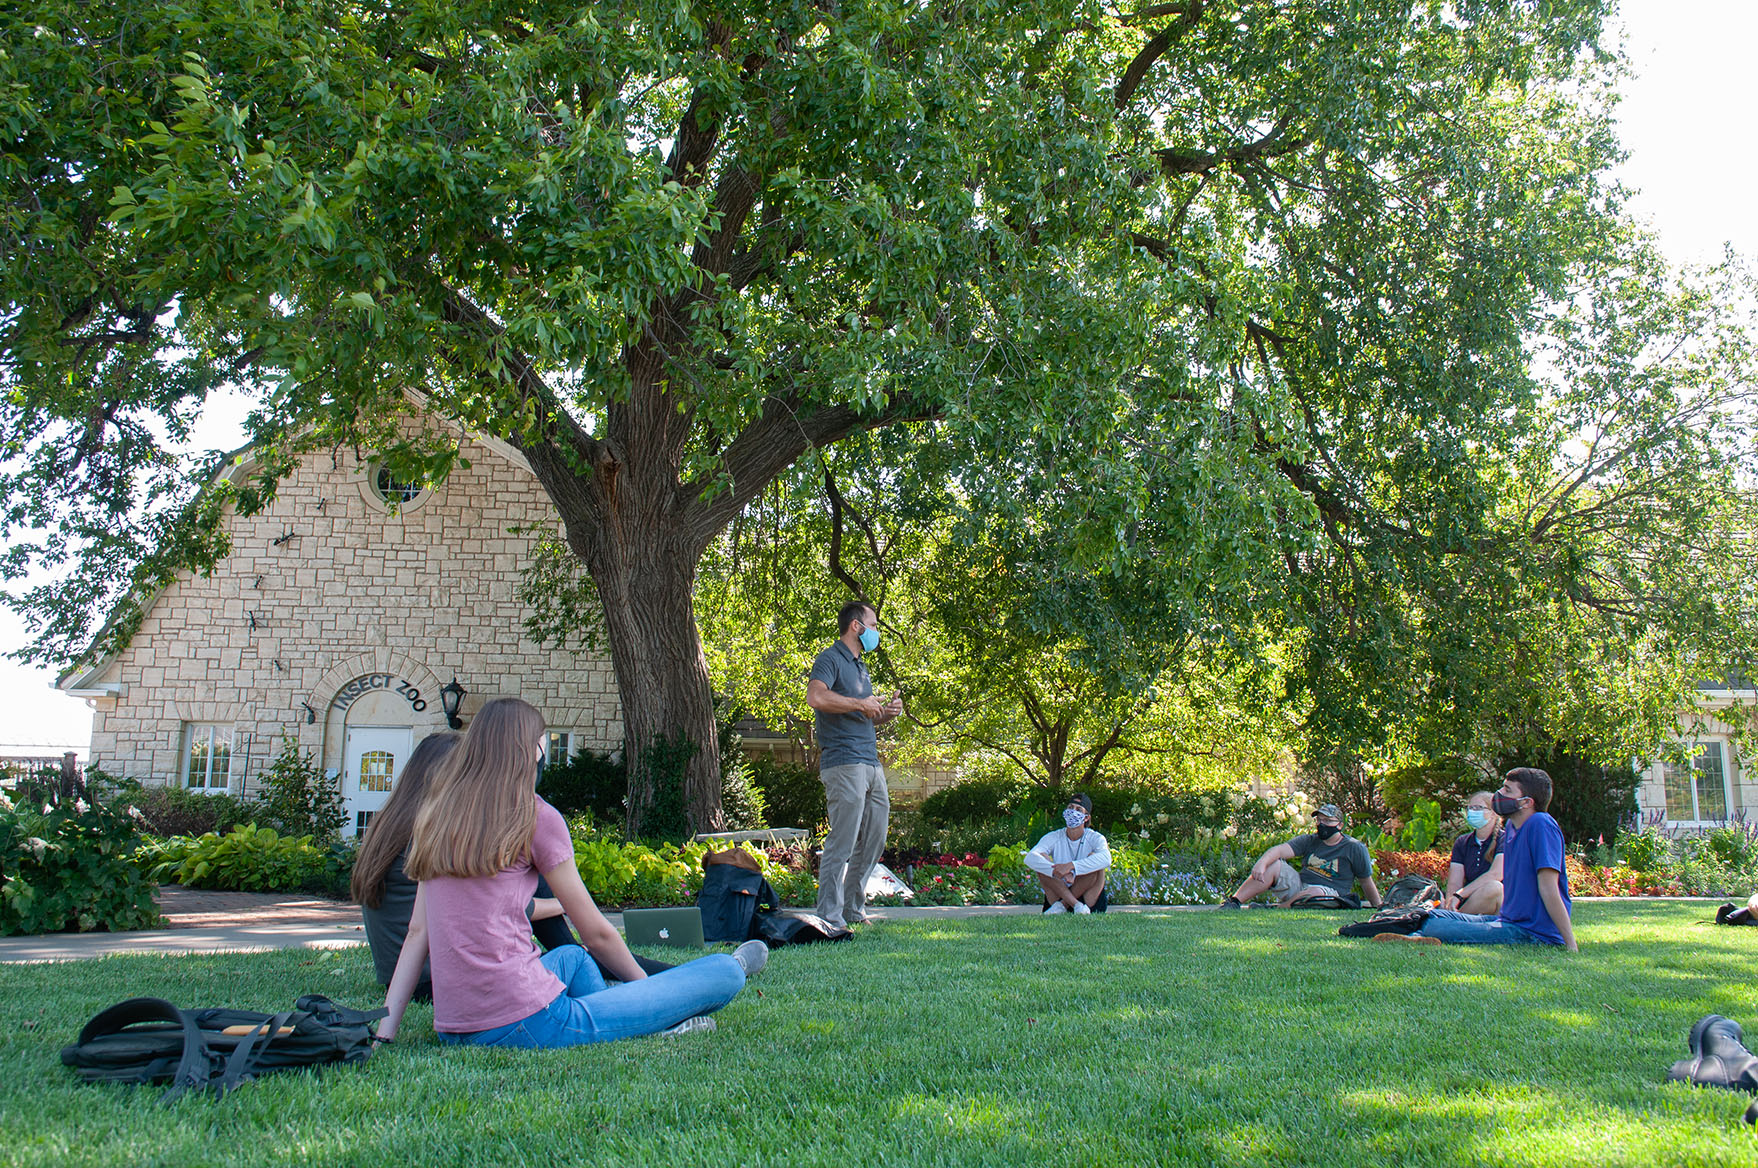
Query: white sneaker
(690,1025)
(1055,908)
(1081,909)
(752,956)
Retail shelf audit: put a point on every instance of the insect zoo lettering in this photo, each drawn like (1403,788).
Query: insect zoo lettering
(361,686)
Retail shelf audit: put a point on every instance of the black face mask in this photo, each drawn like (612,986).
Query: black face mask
(1504,805)
(1326,831)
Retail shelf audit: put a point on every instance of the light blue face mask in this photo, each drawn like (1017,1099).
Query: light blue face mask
(1073,816)
(869,640)
(1476,816)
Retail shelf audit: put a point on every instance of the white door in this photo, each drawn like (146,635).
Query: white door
(371,761)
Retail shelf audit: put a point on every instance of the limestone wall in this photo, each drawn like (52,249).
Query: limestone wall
(332,610)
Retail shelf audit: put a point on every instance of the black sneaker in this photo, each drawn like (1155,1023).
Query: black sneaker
(1232,902)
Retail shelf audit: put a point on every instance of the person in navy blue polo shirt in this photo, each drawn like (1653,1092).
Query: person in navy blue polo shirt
(1535,884)
(1474,875)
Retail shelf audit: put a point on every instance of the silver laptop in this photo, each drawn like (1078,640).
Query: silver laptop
(664,926)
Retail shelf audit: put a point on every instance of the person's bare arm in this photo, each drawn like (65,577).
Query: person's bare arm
(597,934)
(409,966)
(1370,891)
(1455,885)
(544,907)
(1270,859)
(1552,896)
(827,701)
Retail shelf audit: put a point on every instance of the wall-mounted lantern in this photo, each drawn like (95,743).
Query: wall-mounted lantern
(452,697)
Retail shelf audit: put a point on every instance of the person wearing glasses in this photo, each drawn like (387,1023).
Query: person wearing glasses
(846,717)
(1474,877)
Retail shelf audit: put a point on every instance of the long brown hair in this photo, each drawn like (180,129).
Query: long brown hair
(389,832)
(482,810)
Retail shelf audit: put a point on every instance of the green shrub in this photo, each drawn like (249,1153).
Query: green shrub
(792,794)
(974,801)
(1417,835)
(246,859)
(295,799)
(591,781)
(1447,781)
(1647,850)
(1733,845)
(741,799)
(1588,801)
(170,811)
(68,866)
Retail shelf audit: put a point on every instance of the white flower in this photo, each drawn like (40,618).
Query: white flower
(38,847)
(5,803)
(1144,833)
(1162,817)
(1135,810)
(81,806)
(1230,832)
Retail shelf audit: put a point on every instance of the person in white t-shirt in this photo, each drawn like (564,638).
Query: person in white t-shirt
(1071,863)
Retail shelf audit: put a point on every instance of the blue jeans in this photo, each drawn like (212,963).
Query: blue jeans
(1457,928)
(587,1010)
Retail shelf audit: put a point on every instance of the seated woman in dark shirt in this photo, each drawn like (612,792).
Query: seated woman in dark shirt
(1474,878)
(386,897)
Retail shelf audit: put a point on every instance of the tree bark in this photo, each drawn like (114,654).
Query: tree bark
(640,548)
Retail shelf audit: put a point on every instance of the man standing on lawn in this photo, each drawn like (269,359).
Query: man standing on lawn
(1071,863)
(1535,884)
(1330,864)
(847,716)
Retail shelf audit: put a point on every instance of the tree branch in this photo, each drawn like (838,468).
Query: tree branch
(1177,160)
(1153,51)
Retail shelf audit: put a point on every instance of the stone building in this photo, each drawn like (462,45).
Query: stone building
(1716,783)
(340,614)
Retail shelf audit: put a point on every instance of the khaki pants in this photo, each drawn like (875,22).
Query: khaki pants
(859,805)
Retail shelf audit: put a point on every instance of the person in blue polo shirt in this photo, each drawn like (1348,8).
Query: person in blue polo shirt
(1535,884)
(846,716)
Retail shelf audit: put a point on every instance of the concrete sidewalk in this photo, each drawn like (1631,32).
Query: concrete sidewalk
(243,922)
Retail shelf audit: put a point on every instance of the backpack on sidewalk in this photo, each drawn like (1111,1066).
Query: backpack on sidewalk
(732,888)
(148,1040)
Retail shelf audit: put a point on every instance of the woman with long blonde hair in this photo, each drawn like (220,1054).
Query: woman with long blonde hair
(481,840)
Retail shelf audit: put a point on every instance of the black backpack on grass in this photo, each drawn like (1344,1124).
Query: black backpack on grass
(148,1040)
(732,890)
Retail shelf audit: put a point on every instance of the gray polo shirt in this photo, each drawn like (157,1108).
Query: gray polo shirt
(844,738)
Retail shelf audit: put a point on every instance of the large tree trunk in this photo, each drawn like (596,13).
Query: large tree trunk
(641,551)
(647,585)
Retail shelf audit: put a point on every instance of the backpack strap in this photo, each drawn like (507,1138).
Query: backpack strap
(192,1067)
(249,1052)
(330,1014)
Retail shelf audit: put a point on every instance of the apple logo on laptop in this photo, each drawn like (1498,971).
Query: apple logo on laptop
(665,934)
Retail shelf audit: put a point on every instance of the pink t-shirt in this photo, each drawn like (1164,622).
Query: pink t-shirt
(486,971)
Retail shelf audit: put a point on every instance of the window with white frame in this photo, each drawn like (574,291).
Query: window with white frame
(560,747)
(1697,790)
(207,757)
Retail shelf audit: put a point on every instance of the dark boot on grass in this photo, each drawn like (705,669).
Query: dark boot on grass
(1719,1057)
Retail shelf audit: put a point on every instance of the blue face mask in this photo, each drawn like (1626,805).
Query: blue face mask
(1476,816)
(869,640)
(1073,816)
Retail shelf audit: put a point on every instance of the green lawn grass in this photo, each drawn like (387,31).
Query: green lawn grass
(1174,1038)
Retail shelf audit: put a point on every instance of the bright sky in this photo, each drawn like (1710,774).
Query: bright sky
(1694,186)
